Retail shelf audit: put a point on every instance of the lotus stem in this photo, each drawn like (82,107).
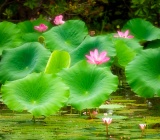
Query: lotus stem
(107,129)
(34,119)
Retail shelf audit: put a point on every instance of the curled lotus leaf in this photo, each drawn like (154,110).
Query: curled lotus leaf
(38,93)
(57,61)
(67,36)
(142,30)
(143,73)
(100,42)
(9,36)
(19,62)
(89,84)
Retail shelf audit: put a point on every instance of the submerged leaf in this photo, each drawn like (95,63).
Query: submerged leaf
(38,93)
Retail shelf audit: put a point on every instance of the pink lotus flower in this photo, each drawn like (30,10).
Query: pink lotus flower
(123,34)
(41,27)
(107,121)
(96,58)
(142,126)
(58,20)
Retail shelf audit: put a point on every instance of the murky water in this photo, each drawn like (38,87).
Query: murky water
(125,125)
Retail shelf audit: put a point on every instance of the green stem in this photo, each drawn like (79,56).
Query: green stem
(33,119)
(107,129)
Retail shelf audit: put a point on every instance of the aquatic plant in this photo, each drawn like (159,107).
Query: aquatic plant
(142,127)
(62,52)
(123,34)
(58,20)
(96,58)
(41,28)
(107,122)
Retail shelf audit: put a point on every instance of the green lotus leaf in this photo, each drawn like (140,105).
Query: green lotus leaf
(142,30)
(57,61)
(9,36)
(89,85)
(67,36)
(28,33)
(143,73)
(19,62)
(124,53)
(131,43)
(38,93)
(102,43)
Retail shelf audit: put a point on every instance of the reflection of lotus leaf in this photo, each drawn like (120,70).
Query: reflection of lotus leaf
(19,62)
(143,73)
(38,93)
(90,85)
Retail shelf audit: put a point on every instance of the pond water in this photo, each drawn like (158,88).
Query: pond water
(127,114)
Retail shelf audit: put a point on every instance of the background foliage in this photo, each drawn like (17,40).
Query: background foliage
(99,15)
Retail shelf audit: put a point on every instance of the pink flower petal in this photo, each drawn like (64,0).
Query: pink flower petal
(120,33)
(102,55)
(123,34)
(130,36)
(126,33)
(96,54)
(41,27)
(92,54)
(89,57)
(96,58)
